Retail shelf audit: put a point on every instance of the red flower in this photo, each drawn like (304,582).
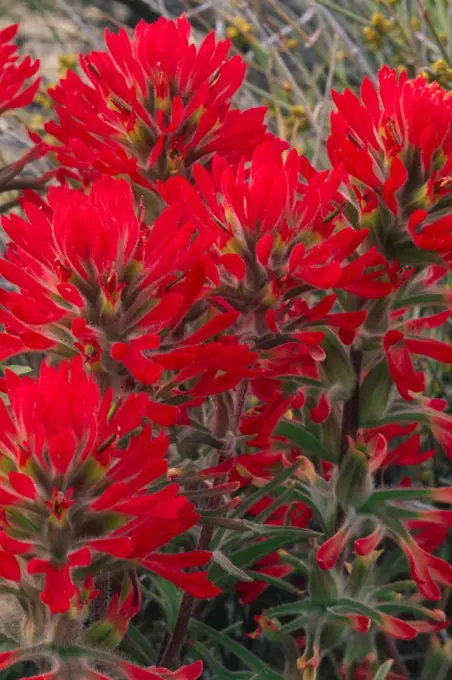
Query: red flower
(275,232)
(59,588)
(403,340)
(280,240)
(330,551)
(132,672)
(153,106)
(397,628)
(396,140)
(111,667)
(68,460)
(427,570)
(94,279)
(14,74)
(271,565)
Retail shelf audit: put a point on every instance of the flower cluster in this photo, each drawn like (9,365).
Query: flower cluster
(236,368)
(18,86)
(153,106)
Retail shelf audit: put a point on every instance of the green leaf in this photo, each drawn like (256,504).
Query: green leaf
(399,416)
(260,54)
(301,437)
(18,369)
(225,563)
(217,669)
(237,649)
(381,496)
(384,670)
(138,646)
(248,556)
(273,581)
(266,490)
(270,488)
(291,532)
(336,367)
(420,300)
(171,599)
(294,609)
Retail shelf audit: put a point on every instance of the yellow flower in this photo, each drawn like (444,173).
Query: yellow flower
(439,66)
(37,122)
(298,111)
(43,98)
(287,87)
(239,26)
(377,19)
(66,62)
(370,34)
(232,32)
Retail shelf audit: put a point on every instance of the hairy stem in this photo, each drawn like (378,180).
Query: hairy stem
(169,656)
(225,426)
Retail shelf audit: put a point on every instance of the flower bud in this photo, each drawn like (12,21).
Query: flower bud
(361,571)
(375,393)
(354,483)
(438,660)
(323,586)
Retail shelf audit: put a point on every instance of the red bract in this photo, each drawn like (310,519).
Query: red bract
(153,106)
(94,279)
(407,379)
(85,668)
(17,90)
(14,74)
(396,141)
(272,566)
(63,447)
(280,246)
(277,226)
(428,571)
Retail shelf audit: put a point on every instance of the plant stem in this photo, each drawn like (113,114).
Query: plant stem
(393,653)
(226,422)
(170,655)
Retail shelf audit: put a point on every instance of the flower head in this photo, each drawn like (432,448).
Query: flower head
(15,89)
(396,141)
(152,106)
(94,279)
(76,489)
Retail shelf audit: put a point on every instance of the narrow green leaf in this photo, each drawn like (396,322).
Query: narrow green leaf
(270,488)
(384,670)
(225,563)
(237,649)
(138,646)
(299,622)
(18,369)
(273,581)
(219,671)
(248,556)
(300,436)
(266,490)
(291,532)
(294,609)
(419,300)
(171,598)
(393,495)
(399,416)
